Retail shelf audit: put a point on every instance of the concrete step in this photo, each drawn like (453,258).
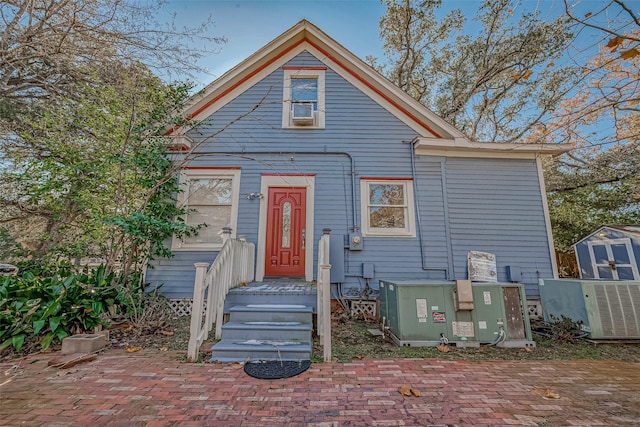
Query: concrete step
(271,313)
(267,330)
(238,351)
(245,298)
(273,291)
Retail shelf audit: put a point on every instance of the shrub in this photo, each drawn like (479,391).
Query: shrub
(41,310)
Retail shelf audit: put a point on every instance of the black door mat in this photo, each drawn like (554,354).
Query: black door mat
(275,369)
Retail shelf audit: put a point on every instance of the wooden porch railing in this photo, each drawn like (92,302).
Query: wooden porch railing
(233,265)
(324,295)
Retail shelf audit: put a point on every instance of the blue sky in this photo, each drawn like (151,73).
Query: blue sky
(248,24)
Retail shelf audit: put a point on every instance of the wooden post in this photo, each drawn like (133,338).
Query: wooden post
(325,268)
(196,311)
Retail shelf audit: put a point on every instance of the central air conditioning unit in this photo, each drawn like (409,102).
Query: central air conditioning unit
(427,313)
(606,309)
(302,113)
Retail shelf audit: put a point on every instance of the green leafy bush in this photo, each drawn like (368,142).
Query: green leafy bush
(40,310)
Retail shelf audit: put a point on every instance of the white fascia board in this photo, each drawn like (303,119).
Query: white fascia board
(462,147)
(547,219)
(340,57)
(252,62)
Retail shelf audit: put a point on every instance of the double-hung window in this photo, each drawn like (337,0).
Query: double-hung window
(210,197)
(303,98)
(387,207)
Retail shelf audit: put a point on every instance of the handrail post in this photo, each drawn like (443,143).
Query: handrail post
(325,268)
(233,265)
(226,234)
(196,310)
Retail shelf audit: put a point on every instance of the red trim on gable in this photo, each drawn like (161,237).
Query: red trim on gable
(383,178)
(373,88)
(293,68)
(181,148)
(287,174)
(339,63)
(211,167)
(241,81)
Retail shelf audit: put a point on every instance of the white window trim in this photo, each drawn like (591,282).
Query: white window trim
(185,174)
(286,97)
(410,224)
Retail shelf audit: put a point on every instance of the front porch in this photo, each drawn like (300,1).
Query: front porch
(265,320)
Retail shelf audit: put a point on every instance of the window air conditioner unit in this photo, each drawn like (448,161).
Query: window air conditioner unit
(302,113)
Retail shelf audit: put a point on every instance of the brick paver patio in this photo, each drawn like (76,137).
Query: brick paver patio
(155,389)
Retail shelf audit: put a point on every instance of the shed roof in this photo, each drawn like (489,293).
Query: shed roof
(633,229)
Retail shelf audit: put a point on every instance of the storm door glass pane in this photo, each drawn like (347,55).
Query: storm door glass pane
(600,254)
(605,273)
(620,254)
(286,225)
(625,273)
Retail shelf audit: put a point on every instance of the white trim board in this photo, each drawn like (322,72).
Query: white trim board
(267,181)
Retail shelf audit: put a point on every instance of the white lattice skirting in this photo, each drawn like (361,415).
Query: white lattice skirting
(535,309)
(366,309)
(182,307)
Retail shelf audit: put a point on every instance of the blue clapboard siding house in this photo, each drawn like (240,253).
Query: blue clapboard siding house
(304,136)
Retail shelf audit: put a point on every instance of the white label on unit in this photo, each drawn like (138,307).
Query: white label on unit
(435,308)
(390,287)
(487,297)
(462,329)
(421,308)
(482,324)
(422,320)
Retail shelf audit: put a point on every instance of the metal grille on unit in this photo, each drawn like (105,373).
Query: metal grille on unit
(619,309)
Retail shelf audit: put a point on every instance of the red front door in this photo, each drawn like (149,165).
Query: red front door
(286,216)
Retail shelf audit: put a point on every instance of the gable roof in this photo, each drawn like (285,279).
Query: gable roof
(304,36)
(633,229)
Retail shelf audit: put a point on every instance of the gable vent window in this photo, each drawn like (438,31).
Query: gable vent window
(303,98)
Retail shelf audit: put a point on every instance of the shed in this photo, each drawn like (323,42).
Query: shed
(612,252)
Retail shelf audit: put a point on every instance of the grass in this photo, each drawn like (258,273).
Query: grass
(351,340)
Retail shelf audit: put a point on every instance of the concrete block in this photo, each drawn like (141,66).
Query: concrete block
(83,343)
(472,344)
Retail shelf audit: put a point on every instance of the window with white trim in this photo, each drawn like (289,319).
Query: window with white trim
(210,197)
(387,207)
(303,98)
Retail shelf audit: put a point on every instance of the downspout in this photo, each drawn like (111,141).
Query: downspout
(416,197)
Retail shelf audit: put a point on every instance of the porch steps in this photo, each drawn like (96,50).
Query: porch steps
(266,332)
(272,292)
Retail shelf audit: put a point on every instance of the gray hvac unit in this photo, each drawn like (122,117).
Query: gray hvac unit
(606,309)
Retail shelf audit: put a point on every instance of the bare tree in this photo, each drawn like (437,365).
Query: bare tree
(47,45)
(495,83)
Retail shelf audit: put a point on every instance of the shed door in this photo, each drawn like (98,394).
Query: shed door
(513,311)
(286,232)
(613,260)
